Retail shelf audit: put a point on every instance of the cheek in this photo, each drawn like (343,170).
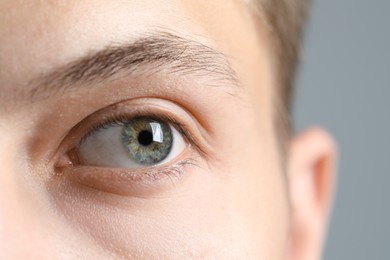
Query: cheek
(262,207)
(255,182)
(201,219)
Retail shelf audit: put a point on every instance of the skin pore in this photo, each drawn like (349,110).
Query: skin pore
(202,66)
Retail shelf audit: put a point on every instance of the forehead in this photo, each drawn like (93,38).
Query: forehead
(48,33)
(68,28)
(37,36)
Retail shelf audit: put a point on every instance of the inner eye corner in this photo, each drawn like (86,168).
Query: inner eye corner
(65,161)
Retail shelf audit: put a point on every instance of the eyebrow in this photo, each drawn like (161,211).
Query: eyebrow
(151,54)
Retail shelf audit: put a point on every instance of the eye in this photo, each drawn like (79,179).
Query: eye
(135,143)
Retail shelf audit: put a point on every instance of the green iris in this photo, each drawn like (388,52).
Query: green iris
(147,141)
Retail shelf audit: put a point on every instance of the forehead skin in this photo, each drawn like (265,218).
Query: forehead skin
(247,215)
(39,35)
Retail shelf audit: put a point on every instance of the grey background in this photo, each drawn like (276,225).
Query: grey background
(344,85)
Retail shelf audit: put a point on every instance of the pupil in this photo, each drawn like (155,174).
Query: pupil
(145,138)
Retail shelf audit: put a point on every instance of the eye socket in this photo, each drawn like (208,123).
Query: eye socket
(131,143)
(132,148)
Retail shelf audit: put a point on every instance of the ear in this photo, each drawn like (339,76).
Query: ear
(311,172)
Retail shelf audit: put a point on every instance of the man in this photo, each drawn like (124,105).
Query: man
(156,130)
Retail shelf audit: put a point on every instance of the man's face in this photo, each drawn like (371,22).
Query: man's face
(84,172)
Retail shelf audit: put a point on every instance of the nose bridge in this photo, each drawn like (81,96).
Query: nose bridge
(30,226)
(17,227)
(13,225)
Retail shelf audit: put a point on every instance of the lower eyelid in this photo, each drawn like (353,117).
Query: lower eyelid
(135,183)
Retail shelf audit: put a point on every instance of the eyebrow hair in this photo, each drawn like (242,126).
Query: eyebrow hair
(159,51)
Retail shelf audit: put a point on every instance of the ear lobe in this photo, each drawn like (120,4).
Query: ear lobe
(311,172)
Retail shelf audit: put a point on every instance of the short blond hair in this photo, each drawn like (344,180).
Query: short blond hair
(285,20)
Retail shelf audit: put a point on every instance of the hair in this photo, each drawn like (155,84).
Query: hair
(284,20)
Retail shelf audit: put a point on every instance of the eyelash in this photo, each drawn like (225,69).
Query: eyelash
(151,176)
(121,119)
